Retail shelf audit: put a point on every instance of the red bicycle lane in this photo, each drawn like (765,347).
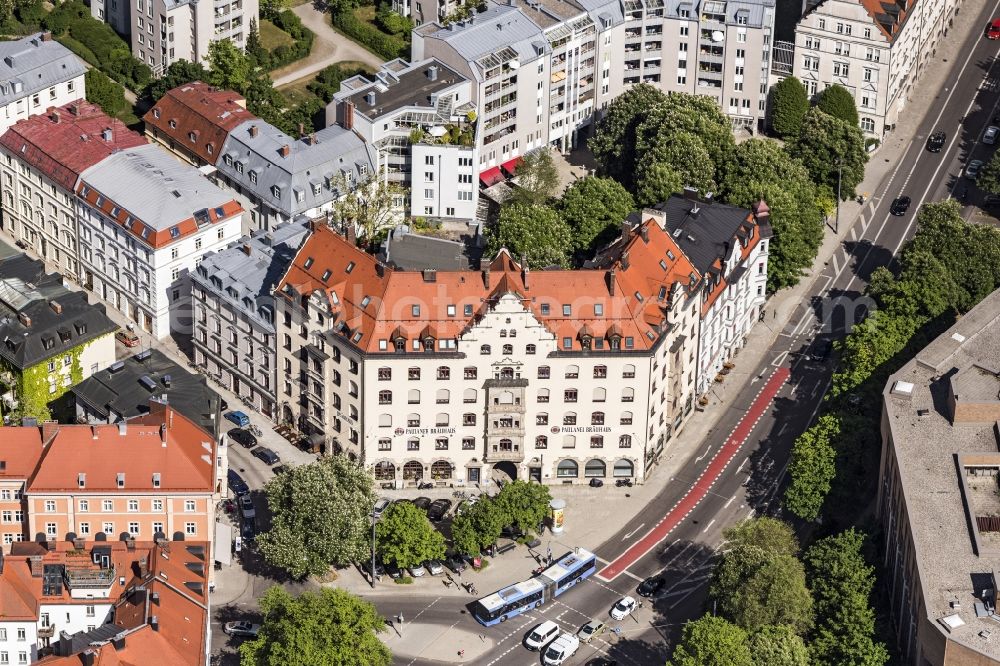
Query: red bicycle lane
(705,480)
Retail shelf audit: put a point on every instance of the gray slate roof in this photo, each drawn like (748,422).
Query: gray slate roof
(25,288)
(252,276)
(120,391)
(306,176)
(413,252)
(153,186)
(31,64)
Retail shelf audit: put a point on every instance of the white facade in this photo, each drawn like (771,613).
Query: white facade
(18,642)
(443,181)
(36,73)
(839,42)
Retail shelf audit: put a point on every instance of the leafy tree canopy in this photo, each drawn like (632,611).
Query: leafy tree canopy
(825,143)
(789,104)
(594,208)
(778,645)
(686,157)
(178,73)
(404,536)
(230,66)
(812,468)
(534,231)
(330,627)
(321,515)
(478,526)
(712,641)
(989,176)
(839,103)
(613,143)
(105,93)
(524,504)
(537,179)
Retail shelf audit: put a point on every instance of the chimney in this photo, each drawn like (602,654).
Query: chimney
(55,116)
(46,36)
(644,232)
(246,249)
(370,98)
(626,232)
(708,198)
(379,269)
(93,432)
(429,275)
(24,319)
(122,428)
(347,115)
(285,150)
(624,261)
(432,73)
(55,307)
(761,210)
(524,270)
(253,131)
(36,566)
(79,543)
(1,562)
(163,434)
(154,622)
(107,134)
(75,109)
(352,234)
(484,266)
(690,193)
(166,381)
(119,640)
(155,597)
(88,657)
(611,282)
(302,130)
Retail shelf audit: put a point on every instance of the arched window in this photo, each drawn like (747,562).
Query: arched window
(469,395)
(569,441)
(412,471)
(600,394)
(595,469)
(541,442)
(543,395)
(541,418)
(413,420)
(413,396)
(443,396)
(484,349)
(624,468)
(600,371)
(441,470)
(385,471)
(572,372)
(628,394)
(506,373)
(441,420)
(597,418)
(385,420)
(385,397)
(413,373)
(626,418)
(568,469)
(503,332)
(543,372)
(505,398)
(625,442)
(508,349)
(569,419)
(444,372)
(506,445)
(530,349)
(513,332)
(628,371)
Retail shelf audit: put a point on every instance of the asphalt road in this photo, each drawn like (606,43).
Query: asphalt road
(753,480)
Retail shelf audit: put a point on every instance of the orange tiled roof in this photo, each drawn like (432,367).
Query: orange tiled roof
(889,16)
(20,451)
(198,109)
(372,302)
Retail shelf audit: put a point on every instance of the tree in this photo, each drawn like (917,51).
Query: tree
(696,116)
(537,178)
(329,627)
(536,232)
(839,103)
(760,169)
(105,93)
(406,538)
(178,73)
(254,49)
(789,104)
(989,176)
(677,160)
(370,205)
(231,67)
(271,8)
(594,208)
(812,468)
(759,580)
(524,504)
(845,623)
(778,645)
(478,526)
(712,641)
(826,142)
(321,515)
(613,143)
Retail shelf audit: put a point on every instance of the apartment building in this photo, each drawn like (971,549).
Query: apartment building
(420,119)
(937,498)
(234,324)
(121,392)
(37,72)
(192,121)
(22,449)
(281,178)
(51,337)
(543,69)
(41,158)
(875,50)
(161,32)
(145,222)
(112,602)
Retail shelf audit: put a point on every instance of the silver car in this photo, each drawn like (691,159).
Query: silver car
(972,169)
(434,567)
(417,571)
(990,137)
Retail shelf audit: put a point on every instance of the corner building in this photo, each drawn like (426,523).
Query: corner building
(553,375)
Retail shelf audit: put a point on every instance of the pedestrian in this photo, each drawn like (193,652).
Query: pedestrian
(461,654)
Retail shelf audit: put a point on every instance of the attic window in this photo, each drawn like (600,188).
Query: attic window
(253,177)
(276,192)
(121,479)
(467,310)
(567,310)
(365,301)
(317,188)
(415,310)
(156,113)
(172,123)
(356,337)
(100,201)
(192,137)
(326,275)
(638,297)
(81,328)
(629,342)
(174,231)
(145,232)
(663,264)
(350,267)
(545,308)
(598,309)
(663,294)
(239,169)
(48,343)
(309,262)
(114,211)
(228,159)
(670,255)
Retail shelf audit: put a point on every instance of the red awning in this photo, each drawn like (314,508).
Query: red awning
(491,177)
(510,166)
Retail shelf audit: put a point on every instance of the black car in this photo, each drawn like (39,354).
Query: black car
(393,571)
(899,206)
(511,532)
(422,503)
(249,530)
(651,586)
(243,437)
(438,509)
(267,455)
(456,563)
(237,484)
(366,567)
(935,142)
(281,469)
(822,352)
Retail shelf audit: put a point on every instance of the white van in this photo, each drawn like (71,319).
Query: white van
(541,635)
(561,649)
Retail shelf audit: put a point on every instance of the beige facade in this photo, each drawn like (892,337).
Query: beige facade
(877,57)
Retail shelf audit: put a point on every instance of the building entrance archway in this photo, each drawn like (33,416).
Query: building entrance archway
(505,471)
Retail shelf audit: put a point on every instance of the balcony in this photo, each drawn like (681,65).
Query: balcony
(496,453)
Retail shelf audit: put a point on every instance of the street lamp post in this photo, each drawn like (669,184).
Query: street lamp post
(840,173)
(373,546)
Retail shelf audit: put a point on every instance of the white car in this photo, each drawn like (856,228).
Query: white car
(541,635)
(990,137)
(623,608)
(560,650)
(241,628)
(417,571)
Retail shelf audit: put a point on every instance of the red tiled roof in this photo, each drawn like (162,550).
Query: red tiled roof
(101,452)
(65,141)
(20,451)
(889,23)
(198,108)
(377,302)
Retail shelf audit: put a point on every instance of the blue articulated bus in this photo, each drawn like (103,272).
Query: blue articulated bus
(521,597)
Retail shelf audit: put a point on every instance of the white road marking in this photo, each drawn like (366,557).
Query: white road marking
(710,523)
(632,533)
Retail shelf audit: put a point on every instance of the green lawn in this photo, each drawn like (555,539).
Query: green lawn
(271,36)
(295,93)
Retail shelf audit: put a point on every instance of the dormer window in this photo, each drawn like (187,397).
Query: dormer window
(192,137)
(156,113)
(239,169)
(172,123)
(253,177)
(309,262)
(156,479)
(121,479)
(228,159)
(276,192)
(326,275)
(81,480)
